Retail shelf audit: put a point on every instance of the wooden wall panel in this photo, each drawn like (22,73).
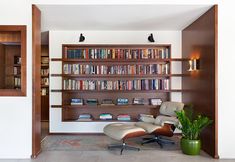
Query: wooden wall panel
(199,40)
(9,36)
(36,46)
(2,66)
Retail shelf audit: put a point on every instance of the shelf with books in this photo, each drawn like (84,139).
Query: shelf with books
(99,120)
(138,61)
(118,91)
(118,75)
(104,106)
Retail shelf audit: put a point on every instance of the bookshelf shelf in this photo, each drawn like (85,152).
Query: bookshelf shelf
(105,106)
(96,120)
(138,61)
(111,72)
(117,91)
(118,75)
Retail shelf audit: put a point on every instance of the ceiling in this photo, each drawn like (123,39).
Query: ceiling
(119,17)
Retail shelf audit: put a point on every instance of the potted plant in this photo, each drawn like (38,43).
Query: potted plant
(191,128)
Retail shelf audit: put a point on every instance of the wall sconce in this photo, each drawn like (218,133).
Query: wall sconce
(193,64)
(81,38)
(150,38)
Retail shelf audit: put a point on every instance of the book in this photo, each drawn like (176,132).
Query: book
(84,117)
(107,102)
(155,101)
(76,101)
(92,101)
(124,117)
(122,101)
(105,116)
(138,101)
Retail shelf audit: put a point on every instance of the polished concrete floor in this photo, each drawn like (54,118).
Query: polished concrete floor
(113,156)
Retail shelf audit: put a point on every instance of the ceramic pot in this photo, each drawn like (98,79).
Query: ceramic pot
(190,147)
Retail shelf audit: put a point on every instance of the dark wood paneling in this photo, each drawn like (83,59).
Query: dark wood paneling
(199,41)
(45,108)
(36,46)
(2,66)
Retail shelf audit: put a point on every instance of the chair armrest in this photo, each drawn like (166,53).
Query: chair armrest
(147,119)
(161,120)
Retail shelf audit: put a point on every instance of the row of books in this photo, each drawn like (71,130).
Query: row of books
(104,116)
(44,81)
(140,84)
(45,60)
(116,69)
(16,70)
(119,101)
(97,53)
(17,81)
(44,91)
(44,71)
(17,60)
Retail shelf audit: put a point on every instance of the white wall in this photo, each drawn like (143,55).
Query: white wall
(57,38)
(15,112)
(15,134)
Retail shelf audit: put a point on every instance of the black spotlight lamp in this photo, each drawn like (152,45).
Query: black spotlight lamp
(150,38)
(81,38)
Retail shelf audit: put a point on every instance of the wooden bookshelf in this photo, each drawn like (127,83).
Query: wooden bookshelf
(145,73)
(44,83)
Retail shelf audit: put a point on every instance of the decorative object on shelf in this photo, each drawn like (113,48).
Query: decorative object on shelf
(81,38)
(151,38)
(124,117)
(193,65)
(107,102)
(122,101)
(92,101)
(138,101)
(105,116)
(191,128)
(76,101)
(155,101)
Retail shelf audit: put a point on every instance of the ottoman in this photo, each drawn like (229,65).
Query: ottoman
(122,132)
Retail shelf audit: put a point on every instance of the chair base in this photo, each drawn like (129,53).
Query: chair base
(160,141)
(123,146)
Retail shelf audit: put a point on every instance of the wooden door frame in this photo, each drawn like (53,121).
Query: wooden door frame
(36,81)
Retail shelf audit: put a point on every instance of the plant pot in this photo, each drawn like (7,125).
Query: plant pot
(190,147)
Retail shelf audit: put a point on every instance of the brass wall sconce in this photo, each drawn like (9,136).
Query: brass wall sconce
(193,64)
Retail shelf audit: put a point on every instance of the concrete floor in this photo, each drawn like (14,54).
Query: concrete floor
(113,156)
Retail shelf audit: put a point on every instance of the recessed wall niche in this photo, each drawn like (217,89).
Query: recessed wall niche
(12,60)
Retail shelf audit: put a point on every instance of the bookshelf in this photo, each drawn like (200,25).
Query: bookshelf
(44,83)
(112,72)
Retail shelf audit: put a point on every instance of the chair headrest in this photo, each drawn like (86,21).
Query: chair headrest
(169,108)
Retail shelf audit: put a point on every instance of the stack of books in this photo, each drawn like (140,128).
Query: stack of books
(84,117)
(155,101)
(106,116)
(124,117)
(138,101)
(92,101)
(76,101)
(122,101)
(107,102)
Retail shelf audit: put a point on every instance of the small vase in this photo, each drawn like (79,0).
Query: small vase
(190,147)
